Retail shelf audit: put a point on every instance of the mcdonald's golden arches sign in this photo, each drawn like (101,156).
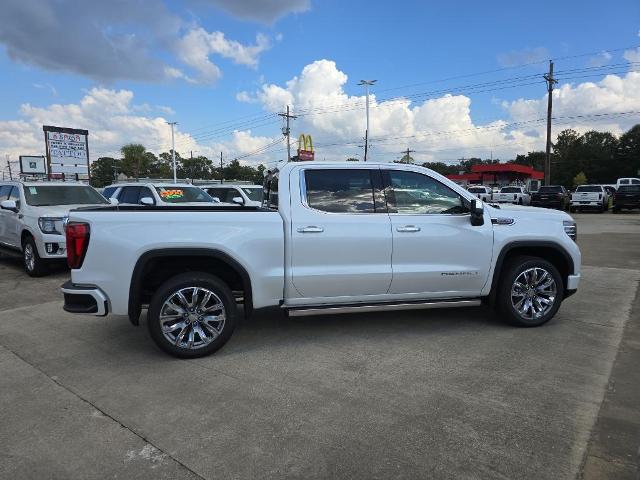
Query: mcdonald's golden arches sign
(305,148)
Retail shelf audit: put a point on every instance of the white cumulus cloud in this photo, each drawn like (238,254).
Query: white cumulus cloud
(197,47)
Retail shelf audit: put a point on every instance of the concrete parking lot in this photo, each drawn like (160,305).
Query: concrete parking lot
(423,394)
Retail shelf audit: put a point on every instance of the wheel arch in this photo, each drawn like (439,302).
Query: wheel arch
(171,261)
(551,251)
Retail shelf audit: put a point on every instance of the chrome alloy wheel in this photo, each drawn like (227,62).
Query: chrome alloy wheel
(192,317)
(29,257)
(533,293)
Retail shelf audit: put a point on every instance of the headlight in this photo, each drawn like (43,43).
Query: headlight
(51,225)
(571,229)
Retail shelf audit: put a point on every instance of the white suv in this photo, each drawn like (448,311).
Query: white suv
(247,195)
(165,194)
(33,216)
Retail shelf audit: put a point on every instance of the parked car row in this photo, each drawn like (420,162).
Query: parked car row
(167,194)
(33,215)
(585,197)
(510,194)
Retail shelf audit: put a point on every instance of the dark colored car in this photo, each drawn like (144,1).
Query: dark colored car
(627,196)
(551,196)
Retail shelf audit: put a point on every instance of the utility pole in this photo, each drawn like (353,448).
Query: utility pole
(9,166)
(192,166)
(173,152)
(221,170)
(286,131)
(550,83)
(367,84)
(408,153)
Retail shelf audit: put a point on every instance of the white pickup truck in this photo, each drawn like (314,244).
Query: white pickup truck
(330,238)
(512,194)
(589,196)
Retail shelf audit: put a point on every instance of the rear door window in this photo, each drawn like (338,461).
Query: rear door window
(589,188)
(340,190)
(129,195)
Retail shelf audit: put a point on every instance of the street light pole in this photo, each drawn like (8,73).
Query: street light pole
(367,84)
(173,152)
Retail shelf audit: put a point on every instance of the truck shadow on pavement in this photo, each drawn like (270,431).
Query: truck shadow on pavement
(271,328)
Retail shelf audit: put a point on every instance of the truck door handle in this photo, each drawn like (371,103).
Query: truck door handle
(408,228)
(310,229)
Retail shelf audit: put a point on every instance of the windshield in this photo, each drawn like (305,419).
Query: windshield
(550,189)
(254,193)
(477,190)
(510,190)
(589,188)
(45,195)
(176,194)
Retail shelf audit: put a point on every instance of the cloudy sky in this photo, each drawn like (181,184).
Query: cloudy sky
(456,79)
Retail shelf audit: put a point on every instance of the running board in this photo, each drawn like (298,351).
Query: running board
(380,307)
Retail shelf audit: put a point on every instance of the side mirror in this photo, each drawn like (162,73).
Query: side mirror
(114,201)
(477,213)
(9,205)
(216,199)
(147,201)
(238,200)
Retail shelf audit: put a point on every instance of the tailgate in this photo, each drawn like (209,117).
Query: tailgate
(586,197)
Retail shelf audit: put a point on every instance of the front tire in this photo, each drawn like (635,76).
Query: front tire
(192,315)
(33,264)
(530,293)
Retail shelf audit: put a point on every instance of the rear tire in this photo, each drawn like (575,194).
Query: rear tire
(192,315)
(530,292)
(33,264)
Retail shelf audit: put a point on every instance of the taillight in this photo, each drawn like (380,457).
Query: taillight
(599,196)
(515,196)
(77,243)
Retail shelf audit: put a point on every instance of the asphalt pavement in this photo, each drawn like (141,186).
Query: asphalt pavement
(422,394)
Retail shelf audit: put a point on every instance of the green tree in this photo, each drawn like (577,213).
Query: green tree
(531,159)
(579,179)
(566,159)
(198,167)
(443,168)
(627,156)
(103,172)
(135,161)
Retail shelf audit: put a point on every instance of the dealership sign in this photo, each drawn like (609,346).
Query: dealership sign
(67,150)
(305,148)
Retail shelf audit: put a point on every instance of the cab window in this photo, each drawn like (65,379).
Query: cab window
(339,190)
(414,193)
(4,191)
(14,194)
